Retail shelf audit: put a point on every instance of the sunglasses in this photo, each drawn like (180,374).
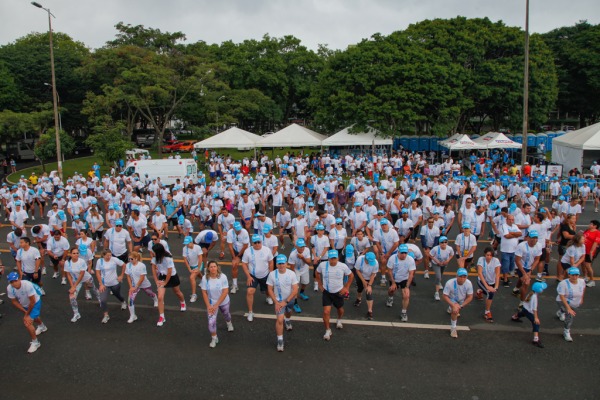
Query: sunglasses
(445,241)
(154,239)
(130,259)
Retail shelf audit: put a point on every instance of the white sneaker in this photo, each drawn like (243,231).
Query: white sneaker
(339,325)
(213,342)
(183,307)
(55,275)
(280,345)
(88,295)
(229,326)
(383,282)
(316,287)
(33,219)
(63,281)
(389,302)
(591,284)
(436,296)
(453,333)
(288,325)
(269,301)
(560,315)
(33,347)
(161,321)
(404,317)
(426,274)
(567,336)
(193,298)
(40,329)
(76,317)
(132,319)
(234,289)
(43,270)
(327,334)
(250,316)
(105,319)
(595,210)
(123,306)
(156,302)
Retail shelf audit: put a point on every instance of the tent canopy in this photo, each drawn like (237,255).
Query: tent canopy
(497,140)
(345,138)
(455,136)
(229,139)
(463,142)
(293,136)
(569,149)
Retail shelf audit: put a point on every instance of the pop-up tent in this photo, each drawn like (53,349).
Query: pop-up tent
(577,149)
(455,136)
(293,136)
(496,140)
(463,142)
(228,139)
(345,138)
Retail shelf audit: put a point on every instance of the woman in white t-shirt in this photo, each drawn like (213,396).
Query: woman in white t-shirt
(90,244)
(78,275)
(570,297)
(488,280)
(137,277)
(109,280)
(441,255)
(215,292)
(165,276)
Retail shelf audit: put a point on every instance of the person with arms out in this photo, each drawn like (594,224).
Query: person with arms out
(26,298)
(282,287)
(458,293)
(215,292)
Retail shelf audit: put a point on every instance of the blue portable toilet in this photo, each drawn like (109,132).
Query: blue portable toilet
(405,142)
(413,144)
(551,136)
(396,144)
(424,143)
(531,140)
(434,143)
(541,138)
(518,138)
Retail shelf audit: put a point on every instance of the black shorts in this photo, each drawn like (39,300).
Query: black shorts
(174,221)
(561,250)
(401,285)
(332,299)
(143,241)
(173,281)
(204,245)
(259,281)
(589,258)
(43,245)
(55,261)
(123,257)
(30,277)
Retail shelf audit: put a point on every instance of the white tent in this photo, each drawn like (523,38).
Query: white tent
(231,138)
(293,136)
(463,142)
(578,148)
(455,136)
(345,138)
(497,140)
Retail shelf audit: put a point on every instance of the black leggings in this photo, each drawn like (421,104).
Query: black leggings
(115,290)
(360,285)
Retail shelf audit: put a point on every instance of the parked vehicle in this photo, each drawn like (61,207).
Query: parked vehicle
(187,146)
(145,140)
(21,150)
(167,170)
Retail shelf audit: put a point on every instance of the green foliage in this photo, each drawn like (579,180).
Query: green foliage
(45,148)
(108,143)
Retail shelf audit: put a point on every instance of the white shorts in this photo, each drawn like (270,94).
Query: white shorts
(303,277)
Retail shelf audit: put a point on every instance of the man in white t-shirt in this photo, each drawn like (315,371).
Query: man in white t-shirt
(282,288)
(510,234)
(257,262)
(118,241)
(29,263)
(25,298)
(458,292)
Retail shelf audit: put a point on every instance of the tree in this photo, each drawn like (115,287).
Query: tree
(108,143)
(45,148)
(9,91)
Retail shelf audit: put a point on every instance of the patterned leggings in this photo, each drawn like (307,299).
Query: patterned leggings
(212,319)
(88,285)
(133,295)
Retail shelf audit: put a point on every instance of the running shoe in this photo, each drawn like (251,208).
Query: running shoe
(221,256)
(193,298)
(280,345)
(538,343)
(389,302)
(479,294)
(404,317)
(43,270)
(357,302)
(316,287)
(297,308)
(339,324)
(453,333)
(383,282)
(88,295)
(426,275)
(155,301)
(370,315)
(591,284)
(567,336)
(213,342)
(183,306)
(63,281)
(288,325)
(488,317)
(161,321)
(33,346)
(436,296)
(250,316)
(303,296)
(234,289)
(40,329)
(515,318)
(506,283)
(229,326)
(560,315)
(327,334)
(55,275)
(269,301)
(76,317)
(516,292)
(105,319)
(132,319)
(123,306)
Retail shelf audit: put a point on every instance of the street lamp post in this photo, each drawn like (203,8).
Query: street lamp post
(58,102)
(525,87)
(54,92)
(218,100)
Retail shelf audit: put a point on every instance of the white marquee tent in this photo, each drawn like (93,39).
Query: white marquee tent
(578,148)
(455,136)
(497,140)
(463,142)
(293,136)
(345,138)
(228,139)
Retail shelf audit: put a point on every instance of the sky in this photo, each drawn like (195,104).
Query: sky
(336,23)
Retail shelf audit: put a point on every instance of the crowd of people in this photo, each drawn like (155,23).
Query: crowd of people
(348,224)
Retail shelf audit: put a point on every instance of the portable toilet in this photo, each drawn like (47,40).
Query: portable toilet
(541,138)
(413,144)
(518,138)
(396,143)
(551,136)
(405,142)
(424,143)
(434,143)
(531,140)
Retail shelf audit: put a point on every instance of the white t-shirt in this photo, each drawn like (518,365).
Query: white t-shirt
(28,259)
(117,241)
(299,264)
(531,305)
(401,268)
(386,239)
(192,255)
(319,244)
(135,272)
(58,247)
(138,226)
(108,270)
(75,268)
(440,254)
(214,288)
(573,251)
(572,292)
(339,238)
(23,294)
(365,268)
(164,266)
(333,276)
(489,269)
(458,293)
(258,261)
(528,254)
(508,245)
(282,283)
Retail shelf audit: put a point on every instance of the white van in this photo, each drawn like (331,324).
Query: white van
(167,170)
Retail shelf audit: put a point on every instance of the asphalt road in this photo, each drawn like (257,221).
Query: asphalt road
(383,359)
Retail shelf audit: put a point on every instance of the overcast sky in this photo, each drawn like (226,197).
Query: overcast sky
(336,23)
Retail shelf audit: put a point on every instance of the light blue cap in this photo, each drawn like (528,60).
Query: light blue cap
(462,272)
(332,254)
(281,259)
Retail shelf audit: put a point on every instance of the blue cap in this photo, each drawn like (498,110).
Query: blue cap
(266,228)
(404,211)
(281,259)
(61,214)
(357,204)
(371,259)
(539,287)
(300,242)
(76,217)
(157,209)
(58,196)
(384,221)
(256,238)
(301,212)
(443,239)
(13,276)
(466,226)
(320,227)
(349,249)
(187,240)
(533,234)
(332,254)
(462,272)
(119,222)
(18,203)
(561,197)
(210,237)
(215,196)
(237,226)
(502,197)
(111,207)
(380,212)
(94,201)
(403,248)
(338,221)
(573,271)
